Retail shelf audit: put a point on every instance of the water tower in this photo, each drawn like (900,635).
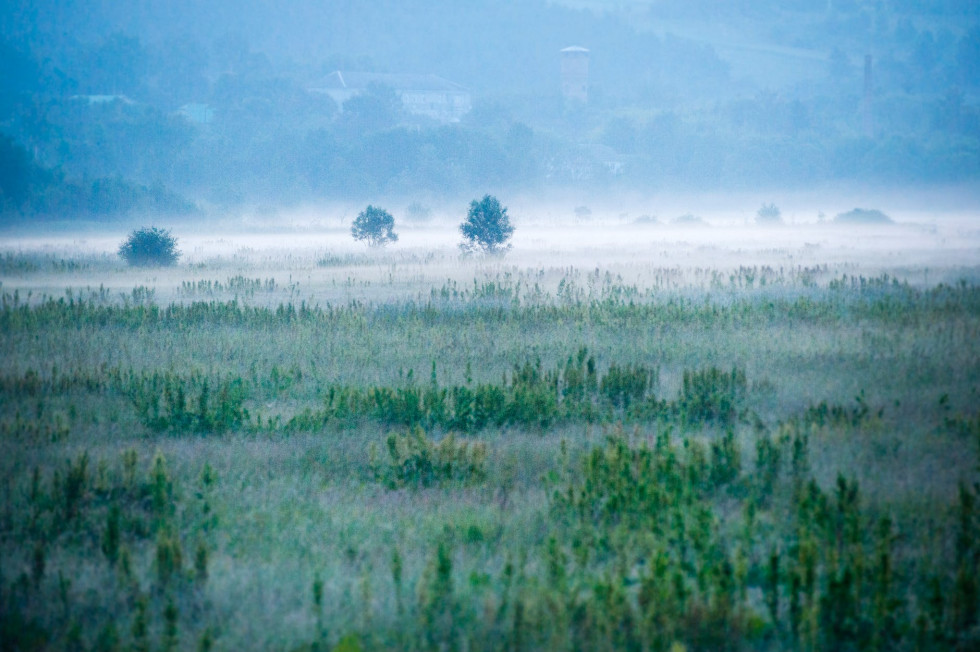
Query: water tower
(575,74)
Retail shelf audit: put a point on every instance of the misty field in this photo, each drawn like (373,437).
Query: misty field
(714,439)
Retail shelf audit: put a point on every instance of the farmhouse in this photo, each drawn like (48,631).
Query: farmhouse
(428,95)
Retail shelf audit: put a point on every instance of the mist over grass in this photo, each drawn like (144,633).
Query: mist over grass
(657,423)
(292,440)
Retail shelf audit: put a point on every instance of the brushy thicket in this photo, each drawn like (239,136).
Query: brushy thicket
(575,501)
(148,247)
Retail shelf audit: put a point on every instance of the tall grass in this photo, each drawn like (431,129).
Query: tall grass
(768,462)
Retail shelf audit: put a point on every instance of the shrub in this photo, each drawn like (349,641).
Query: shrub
(769,214)
(415,460)
(419,211)
(179,404)
(375,225)
(487,227)
(148,247)
(689,219)
(863,216)
(712,395)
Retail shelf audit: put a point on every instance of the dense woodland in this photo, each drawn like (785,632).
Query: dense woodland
(675,102)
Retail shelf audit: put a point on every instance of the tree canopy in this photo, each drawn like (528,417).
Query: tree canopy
(487,227)
(376,225)
(149,247)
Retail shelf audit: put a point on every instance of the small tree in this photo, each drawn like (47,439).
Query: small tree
(148,247)
(487,227)
(375,225)
(769,214)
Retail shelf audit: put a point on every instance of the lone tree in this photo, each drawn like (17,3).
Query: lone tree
(149,247)
(375,225)
(487,227)
(769,214)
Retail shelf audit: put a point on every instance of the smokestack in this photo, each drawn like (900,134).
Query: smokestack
(867,103)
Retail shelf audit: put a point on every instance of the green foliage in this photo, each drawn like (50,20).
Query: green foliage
(375,225)
(201,562)
(726,459)
(487,227)
(625,385)
(170,633)
(530,397)
(349,643)
(171,403)
(631,505)
(111,538)
(74,486)
(712,395)
(438,607)
(840,416)
(726,516)
(150,247)
(414,460)
(18,174)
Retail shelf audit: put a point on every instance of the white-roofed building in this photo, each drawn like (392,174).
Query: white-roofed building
(428,95)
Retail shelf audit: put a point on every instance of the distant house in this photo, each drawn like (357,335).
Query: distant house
(427,95)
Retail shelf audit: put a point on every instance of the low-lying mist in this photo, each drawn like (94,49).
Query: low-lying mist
(310,255)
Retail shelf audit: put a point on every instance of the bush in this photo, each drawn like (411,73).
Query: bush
(769,214)
(712,395)
(689,219)
(487,227)
(418,211)
(375,225)
(149,246)
(417,461)
(863,216)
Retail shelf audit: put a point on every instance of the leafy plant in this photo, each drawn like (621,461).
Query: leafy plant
(712,394)
(169,402)
(376,225)
(487,227)
(415,460)
(150,247)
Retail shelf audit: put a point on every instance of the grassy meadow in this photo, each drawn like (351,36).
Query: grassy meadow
(692,441)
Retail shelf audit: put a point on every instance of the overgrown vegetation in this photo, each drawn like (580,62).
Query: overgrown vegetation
(494,466)
(414,460)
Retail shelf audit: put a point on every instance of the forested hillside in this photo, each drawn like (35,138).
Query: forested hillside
(212,103)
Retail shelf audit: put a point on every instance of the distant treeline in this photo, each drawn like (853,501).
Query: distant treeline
(30,191)
(119,114)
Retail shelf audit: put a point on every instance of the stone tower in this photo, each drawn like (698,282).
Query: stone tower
(575,74)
